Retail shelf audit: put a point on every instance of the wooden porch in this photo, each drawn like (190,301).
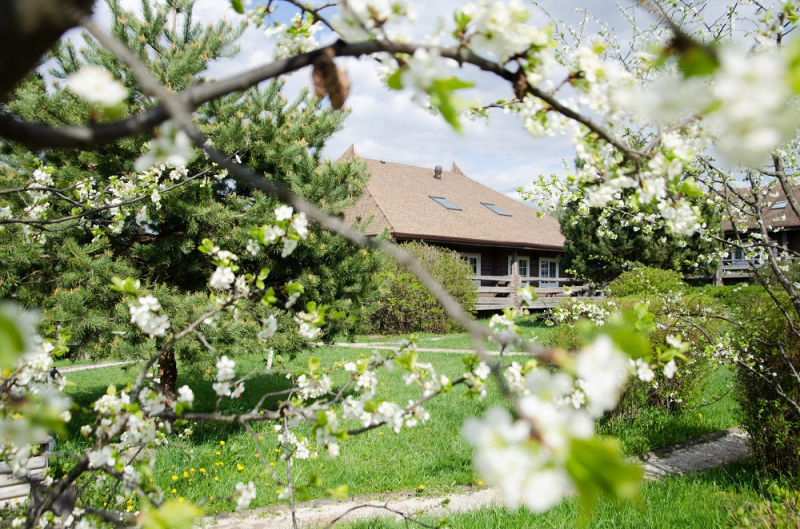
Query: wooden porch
(499,292)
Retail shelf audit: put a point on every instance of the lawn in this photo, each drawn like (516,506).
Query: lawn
(433,458)
(698,501)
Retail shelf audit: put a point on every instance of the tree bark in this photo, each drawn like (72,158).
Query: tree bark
(28,28)
(168,373)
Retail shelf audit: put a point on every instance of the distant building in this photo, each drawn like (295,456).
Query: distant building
(506,242)
(783,229)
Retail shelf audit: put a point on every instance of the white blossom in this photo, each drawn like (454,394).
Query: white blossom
(97,85)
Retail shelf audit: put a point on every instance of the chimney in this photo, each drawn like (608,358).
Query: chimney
(437,172)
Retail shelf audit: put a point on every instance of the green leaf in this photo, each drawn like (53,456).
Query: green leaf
(339,493)
(238,6)
(12,341)
(597,467)
(394,80)
(697,61)
(442,98)
(172,514)
(313,364)
(301,493)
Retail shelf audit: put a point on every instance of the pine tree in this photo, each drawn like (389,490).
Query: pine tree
(69,274)
(601,247)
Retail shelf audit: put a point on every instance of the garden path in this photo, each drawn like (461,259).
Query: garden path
(696,455)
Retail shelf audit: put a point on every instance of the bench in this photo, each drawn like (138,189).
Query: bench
(14,489)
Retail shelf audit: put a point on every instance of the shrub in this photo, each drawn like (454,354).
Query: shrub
(404,305)
(646,283)
(762,342)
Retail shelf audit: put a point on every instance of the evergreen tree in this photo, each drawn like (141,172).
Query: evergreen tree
(66,268)
(601,247)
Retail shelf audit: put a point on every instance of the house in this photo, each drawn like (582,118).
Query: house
(783,229)
(507,243)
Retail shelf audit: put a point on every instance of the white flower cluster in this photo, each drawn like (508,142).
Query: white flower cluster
(327,432)
(422,71)
(269,326)
(358,20)
(748,109)
(298,446)
(171,147)
(476,378)
(311,387)
(246,494)
(295,38)
(525,457)
(145,314)
(225,375)
(268,235)
(97,85)
(576,309)
(499,30)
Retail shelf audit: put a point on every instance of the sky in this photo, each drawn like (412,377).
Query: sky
(388,125)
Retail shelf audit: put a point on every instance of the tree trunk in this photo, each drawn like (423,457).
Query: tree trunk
(168,374)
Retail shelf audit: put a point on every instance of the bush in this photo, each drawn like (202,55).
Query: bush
(660,289)
(646,283)
(772,423)
(405,305)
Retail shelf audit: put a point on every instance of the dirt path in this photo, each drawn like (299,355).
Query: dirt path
(86,367)
(696,455)
(384,347)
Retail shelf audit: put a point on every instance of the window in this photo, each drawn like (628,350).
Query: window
(496,209)
(548,268)
(474,260)
(523,268)
(781,204)
(445,203)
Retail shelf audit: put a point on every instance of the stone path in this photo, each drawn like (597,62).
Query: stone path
(696,455)
(85,367)
(385,347)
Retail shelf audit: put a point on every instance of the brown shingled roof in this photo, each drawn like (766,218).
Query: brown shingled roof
(776,218)
(398,196)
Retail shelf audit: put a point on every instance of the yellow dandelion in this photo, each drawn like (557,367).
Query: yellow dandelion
(186,474)
(217,453)
(277,450)
(422,487)
(258,455)
(222,443)
(191,470)
(130,508)
(271,464)
(174,491)
(180,499)
(278,491)
(239,467)
(174,477)
(480,482)
(211,498)
(260,437)
(216,478)
(202,469)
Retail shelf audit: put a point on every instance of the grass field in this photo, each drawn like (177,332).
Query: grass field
(699,501)
(432,459)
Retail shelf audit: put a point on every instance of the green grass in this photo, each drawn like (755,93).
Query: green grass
(702,501)
(434,455)
(531,328)
(654,428)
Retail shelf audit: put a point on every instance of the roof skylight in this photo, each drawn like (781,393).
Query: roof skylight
(445,203)
(780,204)
(496,209)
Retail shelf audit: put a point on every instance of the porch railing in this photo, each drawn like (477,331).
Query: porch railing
(498,292)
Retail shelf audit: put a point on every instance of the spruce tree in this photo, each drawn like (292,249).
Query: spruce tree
(66,269)
(601,247)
